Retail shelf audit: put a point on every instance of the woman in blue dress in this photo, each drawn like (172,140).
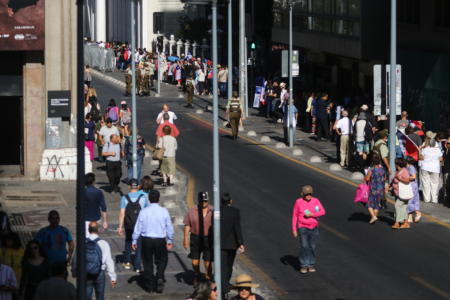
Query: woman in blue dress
(376,176)
(414,202)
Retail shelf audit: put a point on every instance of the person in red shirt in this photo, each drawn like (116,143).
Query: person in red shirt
(160,133)
(305,223)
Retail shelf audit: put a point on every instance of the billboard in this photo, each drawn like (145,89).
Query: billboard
(22,25)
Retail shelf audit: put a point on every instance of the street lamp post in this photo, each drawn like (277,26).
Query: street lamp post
(393,78)
(230,51)
(133,94)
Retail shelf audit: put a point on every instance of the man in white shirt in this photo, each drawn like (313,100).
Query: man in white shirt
(8,282)
(97,282)
(107,131)
(172,115)
(362,146)
(344,129)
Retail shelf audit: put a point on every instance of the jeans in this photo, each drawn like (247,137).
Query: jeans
(100,157)
(269,105)
(308,243)
(128,249)
(98,285)
(130,168)
(223,89)
(121,64)
(151,79)
(398,152)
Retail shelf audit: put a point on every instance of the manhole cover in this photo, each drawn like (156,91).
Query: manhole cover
(27,200)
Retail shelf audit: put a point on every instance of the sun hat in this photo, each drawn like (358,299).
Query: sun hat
(362,116)
(364,107)
(430,134)
(282,84)
(243,281)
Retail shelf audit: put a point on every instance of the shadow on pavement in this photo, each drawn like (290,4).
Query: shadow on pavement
(292,261)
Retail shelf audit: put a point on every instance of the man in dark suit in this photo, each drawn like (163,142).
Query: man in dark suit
(231,239)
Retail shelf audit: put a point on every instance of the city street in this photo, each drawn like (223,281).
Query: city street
(355,260)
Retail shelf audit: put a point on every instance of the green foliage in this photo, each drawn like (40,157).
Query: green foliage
(196,29)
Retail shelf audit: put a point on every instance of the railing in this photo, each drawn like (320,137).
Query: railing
(101,58)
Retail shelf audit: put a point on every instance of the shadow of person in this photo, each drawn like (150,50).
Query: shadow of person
(292,261)
(186,277)
(139,279)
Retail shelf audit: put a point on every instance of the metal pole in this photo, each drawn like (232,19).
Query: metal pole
(246,81)
(253,21)
(242,62)
(159,65)
(393,77)
(81,202)
(291,110)
(230,51)
(216,187)
(133,95)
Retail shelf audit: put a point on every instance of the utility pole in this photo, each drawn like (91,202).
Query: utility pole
(133,94)
(291,110)
(159,64)
(81,201)
(242,62)
(216,186)
(393,90)
(230,51)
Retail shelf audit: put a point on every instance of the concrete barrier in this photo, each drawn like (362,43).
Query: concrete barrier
(315,159)
(357,176)
(241,128)
(265,138)
(297,152)
(251,133)
(335,167)
(280,145)
(199,111)
(225,123)
(209,108)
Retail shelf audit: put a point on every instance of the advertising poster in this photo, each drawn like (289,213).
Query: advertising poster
(22,25)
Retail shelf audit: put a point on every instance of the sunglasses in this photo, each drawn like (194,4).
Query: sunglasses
(244,288)
(214,289)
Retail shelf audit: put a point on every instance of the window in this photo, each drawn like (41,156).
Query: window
(340,27)
(276,19)
(341,8)
(276,4)
(318,7)
(354,8)
(318,24)
(442,17)
(408,11)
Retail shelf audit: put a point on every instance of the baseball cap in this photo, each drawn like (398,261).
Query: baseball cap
(383,133)
(364,107)
(416,129)
(203,196)
(134,183)
(307,189)
(108,120)
(123,102)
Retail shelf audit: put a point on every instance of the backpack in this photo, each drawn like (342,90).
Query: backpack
(112,113)
(126,116)
(93,257)
(368,133)
(95,113)
(131,212)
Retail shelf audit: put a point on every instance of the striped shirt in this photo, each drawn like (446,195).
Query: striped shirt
(7,278)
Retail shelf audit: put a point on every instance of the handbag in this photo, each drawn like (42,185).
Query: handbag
(405,191)
(158,153)
(362,193)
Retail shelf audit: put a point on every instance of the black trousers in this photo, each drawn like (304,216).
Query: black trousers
(277,114)
(227,257)
(322,127)
(308,122)
(201,87)
(114,173)
(157,248)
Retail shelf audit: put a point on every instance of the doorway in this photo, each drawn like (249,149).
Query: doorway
(11,156)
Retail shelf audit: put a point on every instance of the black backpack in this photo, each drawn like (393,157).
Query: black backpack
(94,110)
(368,132)
(131,212)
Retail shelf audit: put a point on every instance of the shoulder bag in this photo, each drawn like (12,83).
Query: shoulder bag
(158,153)
(405,191)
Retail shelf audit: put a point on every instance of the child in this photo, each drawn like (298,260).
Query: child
(305,223)
(125,118)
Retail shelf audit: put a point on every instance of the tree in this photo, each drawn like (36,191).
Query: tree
(196,29)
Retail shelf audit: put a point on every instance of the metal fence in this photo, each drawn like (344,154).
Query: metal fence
(101,58)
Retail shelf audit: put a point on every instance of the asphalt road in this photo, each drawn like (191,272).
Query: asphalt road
(362,261)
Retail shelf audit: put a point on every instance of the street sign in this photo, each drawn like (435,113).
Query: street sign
(58,104)
(249,62)
(381,90)
(284,63)
(295,64)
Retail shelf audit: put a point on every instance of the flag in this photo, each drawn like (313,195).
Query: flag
(189,56)
(417,124)
(256,101)
(407,145)
(263,93)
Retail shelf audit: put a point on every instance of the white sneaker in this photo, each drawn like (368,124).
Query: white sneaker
(279,121)
(127,266)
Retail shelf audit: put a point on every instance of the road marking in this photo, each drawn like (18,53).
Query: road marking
(264,277)
(431,287)
(335,232)
(429,218)
(191,182)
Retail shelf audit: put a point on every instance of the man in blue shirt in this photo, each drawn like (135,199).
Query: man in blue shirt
(126,218)
(321,107)
(154,225)
(95,203)
(54,238)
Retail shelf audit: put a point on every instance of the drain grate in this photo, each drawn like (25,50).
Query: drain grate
(20,226)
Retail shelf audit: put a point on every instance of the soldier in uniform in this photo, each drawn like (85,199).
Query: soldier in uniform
(190,87)
(138,79)
(235,108)
(146,80)
(128,75)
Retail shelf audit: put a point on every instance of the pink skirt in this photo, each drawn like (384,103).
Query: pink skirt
(90,146)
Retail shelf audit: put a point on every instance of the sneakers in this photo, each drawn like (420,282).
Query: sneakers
(311,269)
(127,265)
(160,286)
(304,270)
(138,270)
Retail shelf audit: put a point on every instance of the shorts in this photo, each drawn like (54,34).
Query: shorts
(168,166)
(363,146)
(201,244)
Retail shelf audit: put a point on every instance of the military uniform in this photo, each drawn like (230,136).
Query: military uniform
(128,75)
(190,83)
(138,80)
(234,106)
(146,80)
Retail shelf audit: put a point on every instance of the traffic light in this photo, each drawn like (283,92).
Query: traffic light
(159,45)
(253,46)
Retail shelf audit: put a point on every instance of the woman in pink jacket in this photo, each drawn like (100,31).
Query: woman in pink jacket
(305,223)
